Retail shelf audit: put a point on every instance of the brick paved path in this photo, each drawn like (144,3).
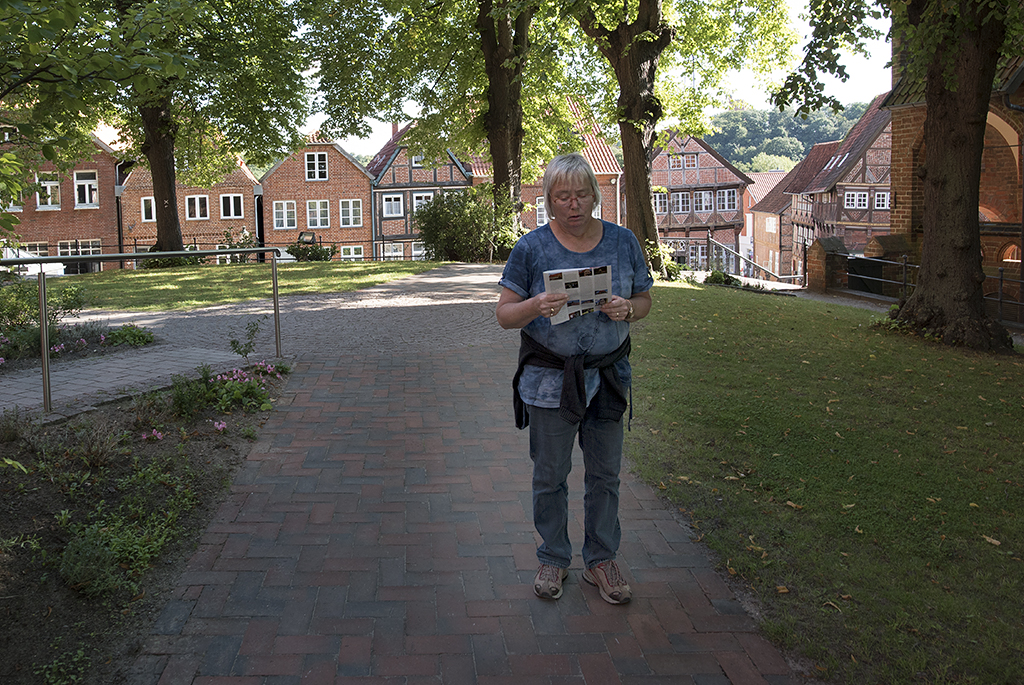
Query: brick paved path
(380,531)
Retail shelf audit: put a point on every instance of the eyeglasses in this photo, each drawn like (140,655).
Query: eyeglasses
(566,199)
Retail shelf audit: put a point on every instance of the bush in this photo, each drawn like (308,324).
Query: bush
(129,334)
(466,227)
(305,252)
(19,304)
(722,278)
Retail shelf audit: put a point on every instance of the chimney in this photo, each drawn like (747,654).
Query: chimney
(394,129)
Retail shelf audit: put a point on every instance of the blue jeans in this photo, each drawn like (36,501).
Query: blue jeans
(551,443)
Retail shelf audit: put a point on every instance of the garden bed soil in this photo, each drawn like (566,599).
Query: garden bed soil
(53,632)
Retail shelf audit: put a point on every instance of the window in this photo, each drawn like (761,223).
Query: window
(882,199)
(394,251)
(67,248)
(149,208)
(318,214)
(316,166)
(197,207)
(675,162)
(420,199)
(680,203)
(661,203)
(37,249)
(771,224)
(703,201)
(727,200)
(419,252)
(690,161)
(856,199)
(16,204)
(48,196)
(231,207)
(351,212)
(351,252)
(87,189)
(284,215)
(392,205)
(542,212)
(417,161)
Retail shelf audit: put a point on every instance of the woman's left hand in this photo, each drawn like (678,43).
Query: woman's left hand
(617,308)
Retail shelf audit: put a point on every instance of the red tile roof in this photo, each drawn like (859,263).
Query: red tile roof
(860,137)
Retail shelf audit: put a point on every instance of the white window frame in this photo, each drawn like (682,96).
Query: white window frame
(39,248)
(542,212)
(419,250)
(771,224)
(351,253)
(417,161)
(388,203)
(680,203)
(882,199)
(703,201)
(661,203)
(690,161)
(285,215)
(87,190)
(147,209)
(350,212)
(70,248)
(856,199)
(675,161)
(393,251)
(316,166)
(727,200)
(48,182)
(197,207)
(420,199)
(234,203)
(318,214)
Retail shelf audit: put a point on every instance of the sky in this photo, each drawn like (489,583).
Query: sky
(868,77)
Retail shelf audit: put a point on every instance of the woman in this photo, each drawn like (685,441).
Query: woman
(572,376)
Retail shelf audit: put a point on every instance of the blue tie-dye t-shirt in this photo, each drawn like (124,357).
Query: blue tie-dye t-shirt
(594,333)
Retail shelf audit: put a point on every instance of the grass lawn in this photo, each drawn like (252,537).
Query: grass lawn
(867,486)
(200,286)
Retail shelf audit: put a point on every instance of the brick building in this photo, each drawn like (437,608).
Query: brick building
(75,213)
(782,217)
(206,214)
(850,196)
(401,184)
(322,191)
(698,195)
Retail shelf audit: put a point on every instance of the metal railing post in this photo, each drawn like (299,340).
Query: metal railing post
(277,306)
(44,340)
(904,277)
(999,309)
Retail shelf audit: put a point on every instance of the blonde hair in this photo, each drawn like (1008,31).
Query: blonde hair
(566,169)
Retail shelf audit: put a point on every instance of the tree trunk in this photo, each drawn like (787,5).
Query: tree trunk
(947,301)
(160,129)
(505,42)
(635,62)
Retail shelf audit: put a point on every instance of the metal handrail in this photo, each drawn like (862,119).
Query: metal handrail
(756,266)
(44,333)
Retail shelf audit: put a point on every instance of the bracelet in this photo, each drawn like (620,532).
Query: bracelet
(629,315)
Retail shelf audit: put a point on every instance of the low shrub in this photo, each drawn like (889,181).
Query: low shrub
(306,252)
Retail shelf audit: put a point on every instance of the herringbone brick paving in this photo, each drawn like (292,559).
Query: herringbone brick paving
(381,532)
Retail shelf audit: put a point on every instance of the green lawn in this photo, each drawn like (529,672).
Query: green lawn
(867,486)
(200,286)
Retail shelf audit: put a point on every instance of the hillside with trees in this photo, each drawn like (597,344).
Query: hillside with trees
(763,140)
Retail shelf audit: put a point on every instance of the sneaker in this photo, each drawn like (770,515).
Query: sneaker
(548,583)
(608,579)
